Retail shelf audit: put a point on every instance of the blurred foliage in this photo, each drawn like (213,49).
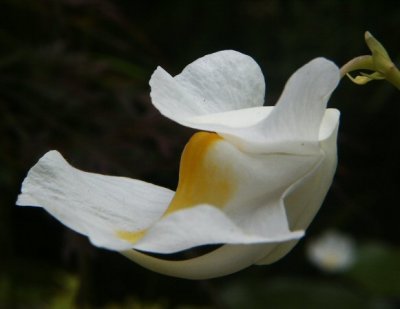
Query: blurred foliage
(73,77)
(37,285)
(378,269)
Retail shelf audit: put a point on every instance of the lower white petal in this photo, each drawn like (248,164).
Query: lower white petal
(223,261)
(92,204)
(202,225)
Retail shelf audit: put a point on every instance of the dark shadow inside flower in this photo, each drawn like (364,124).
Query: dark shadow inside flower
(183,255)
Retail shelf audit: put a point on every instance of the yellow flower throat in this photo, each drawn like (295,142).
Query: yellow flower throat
(202,179)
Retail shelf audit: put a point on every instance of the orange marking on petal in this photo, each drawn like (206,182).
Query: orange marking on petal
(202,177)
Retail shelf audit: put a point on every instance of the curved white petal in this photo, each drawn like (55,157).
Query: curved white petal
(92,204)
(304,199)
(292,126)
(223,261)
(219,82)
(312,189)
(203,225)
(299,112)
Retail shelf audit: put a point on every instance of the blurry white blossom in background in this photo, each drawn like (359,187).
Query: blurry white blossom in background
(332,252)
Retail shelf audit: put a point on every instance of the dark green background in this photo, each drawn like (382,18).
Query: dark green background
(74,77)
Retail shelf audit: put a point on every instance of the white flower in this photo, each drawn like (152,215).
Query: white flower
(253,186)
(332,252)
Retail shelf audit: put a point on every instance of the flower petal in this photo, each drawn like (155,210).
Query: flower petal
(305,197)
(219,82)
(92,204)
(312,189)
(202,225)
(300,109)
(220,262)
(292,126)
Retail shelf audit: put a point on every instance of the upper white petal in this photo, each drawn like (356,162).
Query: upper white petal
(298,114)
(92,204)
(219,82)
(291,126)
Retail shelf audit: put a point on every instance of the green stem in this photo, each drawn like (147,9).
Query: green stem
(359,63)
(379,62)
